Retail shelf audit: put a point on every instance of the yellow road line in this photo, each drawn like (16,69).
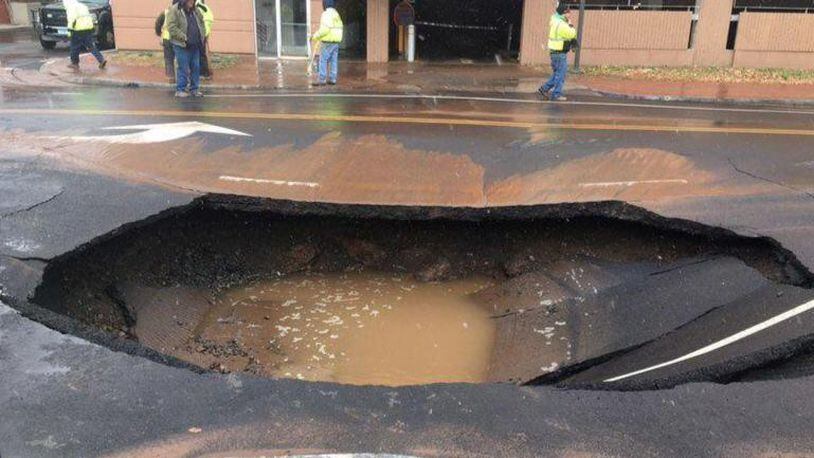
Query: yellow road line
(408,120)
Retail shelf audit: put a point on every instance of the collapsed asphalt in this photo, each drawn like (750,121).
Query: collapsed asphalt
(556,274)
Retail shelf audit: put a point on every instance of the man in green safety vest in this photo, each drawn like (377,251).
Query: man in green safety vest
(163,31)
(81,29)
(330,36)
(561,37)
(209,20)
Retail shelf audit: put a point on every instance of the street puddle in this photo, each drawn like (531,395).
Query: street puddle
(356,328)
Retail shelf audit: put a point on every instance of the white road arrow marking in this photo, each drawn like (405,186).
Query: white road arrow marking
(724,342)
(159,133)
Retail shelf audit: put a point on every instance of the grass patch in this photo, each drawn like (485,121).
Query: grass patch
(156,59)
(704,74)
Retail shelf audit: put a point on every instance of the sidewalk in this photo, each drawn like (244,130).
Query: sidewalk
(245,73)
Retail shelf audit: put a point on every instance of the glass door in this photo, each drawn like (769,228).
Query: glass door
(294,27)
(282,28)
(266,23)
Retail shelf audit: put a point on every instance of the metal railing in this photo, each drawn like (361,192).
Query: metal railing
(633,5)
(774,6)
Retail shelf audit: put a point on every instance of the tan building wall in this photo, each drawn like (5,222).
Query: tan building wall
(775,40)
(654,30)
(534,34)
(782,40)
(660,37)
(233,31)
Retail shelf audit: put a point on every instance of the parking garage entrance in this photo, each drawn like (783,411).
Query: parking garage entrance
(461,30)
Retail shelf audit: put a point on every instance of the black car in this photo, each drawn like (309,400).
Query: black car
(52,23)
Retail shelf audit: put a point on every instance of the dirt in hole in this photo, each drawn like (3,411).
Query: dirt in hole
(363,328)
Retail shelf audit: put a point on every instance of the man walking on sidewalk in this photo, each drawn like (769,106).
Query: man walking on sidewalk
(329,35)
(561,36)
(186,27)
(81,28)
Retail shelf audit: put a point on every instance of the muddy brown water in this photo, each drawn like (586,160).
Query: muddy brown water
(364,328)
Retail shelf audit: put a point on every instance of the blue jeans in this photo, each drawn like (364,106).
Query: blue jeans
(328,52)
(189,68)
(559,68)
(84,40)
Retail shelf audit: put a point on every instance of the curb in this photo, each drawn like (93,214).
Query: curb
(109,82)
(671,98)
(132,84)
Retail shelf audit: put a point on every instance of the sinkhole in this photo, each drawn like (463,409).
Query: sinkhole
(402,296)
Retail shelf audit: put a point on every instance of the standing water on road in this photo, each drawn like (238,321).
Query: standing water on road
(358,328)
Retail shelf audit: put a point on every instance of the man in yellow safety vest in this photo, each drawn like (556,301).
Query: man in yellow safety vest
(561,36)
(209,20)
(81,27)
(330,36)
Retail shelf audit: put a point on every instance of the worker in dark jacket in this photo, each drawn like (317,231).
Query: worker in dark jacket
(163,31)
(188,35)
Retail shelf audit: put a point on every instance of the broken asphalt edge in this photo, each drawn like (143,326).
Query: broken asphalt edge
(611,209)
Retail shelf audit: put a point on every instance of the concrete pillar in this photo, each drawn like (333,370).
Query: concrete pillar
(711,32)
(5,14)
(316,14)
(378,30)
(534,35)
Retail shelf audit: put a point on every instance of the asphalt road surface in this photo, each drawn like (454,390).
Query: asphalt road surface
(78,163)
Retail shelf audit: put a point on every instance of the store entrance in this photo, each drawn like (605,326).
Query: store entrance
(282,28)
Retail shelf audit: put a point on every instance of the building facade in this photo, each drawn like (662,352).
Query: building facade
(740,33)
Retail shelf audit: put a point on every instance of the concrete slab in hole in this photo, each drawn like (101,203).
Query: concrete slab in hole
(559,281)
(545,343)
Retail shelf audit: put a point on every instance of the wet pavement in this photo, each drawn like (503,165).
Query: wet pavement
(20,50)
(745,169)
(461,150)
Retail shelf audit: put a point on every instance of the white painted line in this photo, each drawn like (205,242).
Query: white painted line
(609,184)
(352,455)
(306,184)
(724,342)
(507,100)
